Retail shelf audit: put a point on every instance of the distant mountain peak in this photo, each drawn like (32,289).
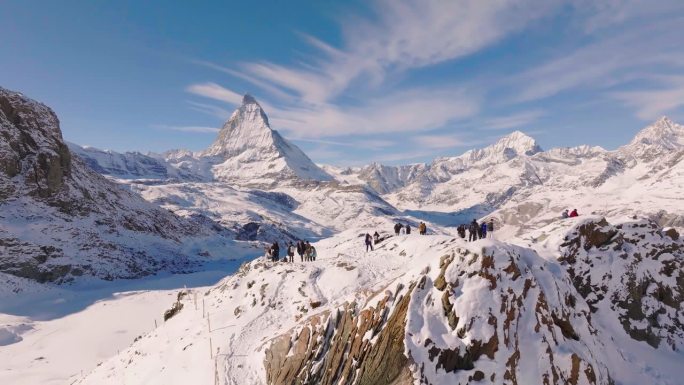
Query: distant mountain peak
(515,143)
(658,139)
(664,132)
(249,99)
(250,149)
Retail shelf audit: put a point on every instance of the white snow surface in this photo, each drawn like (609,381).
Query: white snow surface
(252,184)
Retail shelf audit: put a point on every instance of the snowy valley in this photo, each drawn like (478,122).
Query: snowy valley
(96,245)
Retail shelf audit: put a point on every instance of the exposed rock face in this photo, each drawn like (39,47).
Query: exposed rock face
(336,350)
(637,271)
(502,314)
(60,220)
(32,145)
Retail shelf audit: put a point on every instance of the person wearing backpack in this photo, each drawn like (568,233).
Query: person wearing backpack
(369,242)
(472,231)
(490,228)
(397,228)
(483,230)
(300,249)
(275,251)
(291,252)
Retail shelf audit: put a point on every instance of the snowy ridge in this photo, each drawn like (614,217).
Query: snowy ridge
(485,311)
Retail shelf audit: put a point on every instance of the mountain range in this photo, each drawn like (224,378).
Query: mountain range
(590,300)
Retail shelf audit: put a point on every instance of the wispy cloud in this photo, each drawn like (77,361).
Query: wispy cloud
(653,103)
(399,35)
(194,129)
(439,141)
(607,62)
(210,109)
(412,110)
(512,121)
(215,91)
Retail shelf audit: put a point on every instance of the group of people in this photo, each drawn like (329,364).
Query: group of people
(401,229)
(306,251)
(476,230)
(572,214)
(406,229)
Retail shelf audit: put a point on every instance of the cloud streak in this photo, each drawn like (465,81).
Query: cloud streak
(192,129)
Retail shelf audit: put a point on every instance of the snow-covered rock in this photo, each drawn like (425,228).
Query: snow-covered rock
(60,220)
(578,308)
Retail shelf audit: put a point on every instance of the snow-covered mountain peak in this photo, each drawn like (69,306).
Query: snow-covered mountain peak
(247,127)
(249,99)
(251,152)
(506,148)
(662,131)
(660,138)
(519,142)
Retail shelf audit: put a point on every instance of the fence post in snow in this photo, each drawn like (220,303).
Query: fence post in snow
(211,349)
(155,323)
(195,298)
(209,322)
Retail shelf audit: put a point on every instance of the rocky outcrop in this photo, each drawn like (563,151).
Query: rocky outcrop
(489,315)
(337,349)
(61,220)
(32,145)
(634,269)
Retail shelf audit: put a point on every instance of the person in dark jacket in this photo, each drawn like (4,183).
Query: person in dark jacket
(275,251)
(376,238)
(397,228)
(490,228)
(472,231)
(300,249)
(483,230)
(408,229)
(369,242)
(461,231)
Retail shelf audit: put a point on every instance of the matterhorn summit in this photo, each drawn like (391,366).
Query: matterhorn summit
(248,151)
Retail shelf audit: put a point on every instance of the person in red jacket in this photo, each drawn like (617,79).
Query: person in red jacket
(573,213)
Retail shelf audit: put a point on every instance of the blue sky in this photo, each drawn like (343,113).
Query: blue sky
(393,81)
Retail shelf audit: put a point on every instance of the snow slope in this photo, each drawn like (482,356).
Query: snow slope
(486,311)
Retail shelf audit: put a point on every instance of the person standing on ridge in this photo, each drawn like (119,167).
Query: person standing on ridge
(313,253)
(376,238)
(307,251)
(369,242)
(291,252)
(397,228)
(422,228)
(408,229)
(300,249)
(472,231)
(483,230)
(275,251)
(490,228)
